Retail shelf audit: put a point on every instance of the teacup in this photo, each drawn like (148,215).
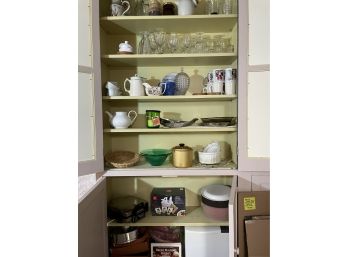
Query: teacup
(119,9)
(155,91)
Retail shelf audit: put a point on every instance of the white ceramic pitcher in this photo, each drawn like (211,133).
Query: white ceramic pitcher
(122,119)
(186,7)
(136,87)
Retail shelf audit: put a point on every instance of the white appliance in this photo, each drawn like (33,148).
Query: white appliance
(206,242)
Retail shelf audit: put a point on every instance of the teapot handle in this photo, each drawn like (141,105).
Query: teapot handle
(135,115)
(128,6)
(124,85)
(165,87)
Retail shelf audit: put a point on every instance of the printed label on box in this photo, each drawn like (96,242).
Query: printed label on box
(249,203)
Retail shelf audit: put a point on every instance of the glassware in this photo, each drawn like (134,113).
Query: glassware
(227,7)
(187,42)
(160,38)
(153,44)
(212,6)
(155,7)
(146,44)
(173,42)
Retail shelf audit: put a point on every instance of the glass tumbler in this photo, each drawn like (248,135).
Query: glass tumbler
(212,6)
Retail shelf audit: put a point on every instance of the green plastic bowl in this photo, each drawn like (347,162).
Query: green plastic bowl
(156,157)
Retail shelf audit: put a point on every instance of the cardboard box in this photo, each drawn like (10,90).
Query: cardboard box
(166,250)
(168,201)
(252,205)
(257,236)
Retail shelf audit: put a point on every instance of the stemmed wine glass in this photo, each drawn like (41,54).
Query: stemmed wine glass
(160,37)
(173,42)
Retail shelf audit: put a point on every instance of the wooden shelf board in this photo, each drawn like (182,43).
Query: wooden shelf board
(189,129)
(174,98)
(169,23)
(153,60)
(194,217)
(143,168)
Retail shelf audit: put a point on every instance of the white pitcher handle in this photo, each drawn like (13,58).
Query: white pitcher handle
(128,6)
(165,86)
(124,85)
(135,115)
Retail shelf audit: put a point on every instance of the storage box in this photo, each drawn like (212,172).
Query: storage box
(166,250)
(168,201)
(251,205)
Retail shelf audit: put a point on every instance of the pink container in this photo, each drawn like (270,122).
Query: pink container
(214,201)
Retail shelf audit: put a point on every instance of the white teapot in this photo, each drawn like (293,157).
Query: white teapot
(122,119)
(186,7)
(136,86)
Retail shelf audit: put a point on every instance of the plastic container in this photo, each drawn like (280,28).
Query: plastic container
(214,201)
(209,158)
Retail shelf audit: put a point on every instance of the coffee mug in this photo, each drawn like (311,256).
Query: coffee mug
(230,87)
(169,87)
(219,75)
(218,87)
(208,88)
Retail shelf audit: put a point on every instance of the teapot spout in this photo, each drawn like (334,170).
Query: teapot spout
(109,114)
(147,85)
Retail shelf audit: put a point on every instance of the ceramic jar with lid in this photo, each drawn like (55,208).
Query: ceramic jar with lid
(182,156)
(215,200)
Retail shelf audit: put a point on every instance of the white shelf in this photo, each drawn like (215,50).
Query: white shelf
(194,217)
(143,168)
(189,129)
(169,23)
(173,98)
(150,60)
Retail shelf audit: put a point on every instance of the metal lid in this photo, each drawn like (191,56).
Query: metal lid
(182,147)
(216,192)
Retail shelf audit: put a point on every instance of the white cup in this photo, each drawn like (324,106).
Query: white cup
(218,75)
(218,87)
(230,87)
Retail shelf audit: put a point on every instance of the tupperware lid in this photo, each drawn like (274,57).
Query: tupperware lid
(216,192)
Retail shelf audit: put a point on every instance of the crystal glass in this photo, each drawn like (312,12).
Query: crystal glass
(173,42)
(160,38)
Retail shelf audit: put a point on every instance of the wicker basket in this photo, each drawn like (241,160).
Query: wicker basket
(122,159)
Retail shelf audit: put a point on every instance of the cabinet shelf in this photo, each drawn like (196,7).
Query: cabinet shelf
(176,130)
(149,60)
(194,217)
(170,23)
(173,98)
(168,170)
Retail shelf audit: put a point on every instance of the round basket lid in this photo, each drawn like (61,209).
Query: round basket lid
(216,192)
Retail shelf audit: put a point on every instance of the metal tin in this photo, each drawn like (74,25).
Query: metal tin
(182,156)
(153,118)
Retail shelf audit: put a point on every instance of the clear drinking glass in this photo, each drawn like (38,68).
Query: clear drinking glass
(173,42)
(212,6)
(187,42)
(160,38)
(226,7)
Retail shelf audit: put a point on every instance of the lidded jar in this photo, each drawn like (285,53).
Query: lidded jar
(182,156)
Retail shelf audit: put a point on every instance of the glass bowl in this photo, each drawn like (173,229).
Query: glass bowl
(156,157)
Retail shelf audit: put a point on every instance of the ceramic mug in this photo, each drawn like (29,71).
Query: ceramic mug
(169,87)
(230,87)
(218,75)
(208,88)
(218,87)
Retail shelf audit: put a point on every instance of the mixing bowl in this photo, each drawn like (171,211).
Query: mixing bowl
(156,157)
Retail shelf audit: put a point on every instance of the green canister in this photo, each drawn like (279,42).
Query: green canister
(153,119)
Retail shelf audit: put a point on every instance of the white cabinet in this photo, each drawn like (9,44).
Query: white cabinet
(90,152)
(108,65)
(253,86)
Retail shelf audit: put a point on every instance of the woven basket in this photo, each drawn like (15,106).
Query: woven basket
(122,159)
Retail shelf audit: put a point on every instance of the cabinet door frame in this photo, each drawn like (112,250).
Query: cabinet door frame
(95,165)
(246,163)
